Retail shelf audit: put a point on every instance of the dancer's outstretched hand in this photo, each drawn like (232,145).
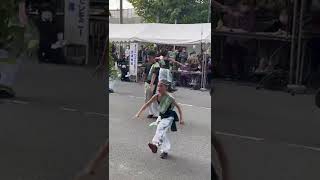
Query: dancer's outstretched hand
(137,116)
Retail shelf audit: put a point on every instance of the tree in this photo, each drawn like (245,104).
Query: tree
(7,10)
(169,11)
(112,72)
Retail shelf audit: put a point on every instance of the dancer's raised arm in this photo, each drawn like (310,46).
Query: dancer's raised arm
(146,105)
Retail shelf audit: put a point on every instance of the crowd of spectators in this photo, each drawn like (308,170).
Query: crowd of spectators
(242,56)
(191,62)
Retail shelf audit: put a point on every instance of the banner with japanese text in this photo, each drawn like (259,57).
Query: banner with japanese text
(76,24)
(133,64)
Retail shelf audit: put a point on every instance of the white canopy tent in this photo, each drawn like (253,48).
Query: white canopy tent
(124,32)
(176,34)
(207,39)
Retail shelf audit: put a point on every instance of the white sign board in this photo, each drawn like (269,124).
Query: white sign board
(133,66)
(76,21)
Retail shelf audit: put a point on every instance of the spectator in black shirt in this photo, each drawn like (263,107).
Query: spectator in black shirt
(183,55)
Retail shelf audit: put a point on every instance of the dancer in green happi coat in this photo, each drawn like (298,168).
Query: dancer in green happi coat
(18,38)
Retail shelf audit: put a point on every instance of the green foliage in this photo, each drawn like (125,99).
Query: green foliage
(184,11)
(16,39)
(7,10)
(113,74)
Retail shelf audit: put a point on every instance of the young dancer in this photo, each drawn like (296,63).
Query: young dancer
(15,49)
(165,120)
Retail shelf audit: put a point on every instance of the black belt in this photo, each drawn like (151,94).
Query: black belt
(171,113)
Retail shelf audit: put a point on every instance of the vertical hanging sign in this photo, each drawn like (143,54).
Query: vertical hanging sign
(133,66)
(76,22)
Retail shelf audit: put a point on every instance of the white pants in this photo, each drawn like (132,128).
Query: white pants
(153,109)
(112,83)
(160,138)
(8,73)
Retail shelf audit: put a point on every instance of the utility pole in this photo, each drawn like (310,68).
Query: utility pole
(209,12)
(121,13)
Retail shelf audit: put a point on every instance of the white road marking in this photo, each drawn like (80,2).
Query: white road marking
(94,113)
(305,147)
(240,136)
(136,97)
(261,139)
(69,109)
(186,104)
(19,102)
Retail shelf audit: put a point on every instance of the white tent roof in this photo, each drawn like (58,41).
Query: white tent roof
(208,38)
(124,32)
(161,33)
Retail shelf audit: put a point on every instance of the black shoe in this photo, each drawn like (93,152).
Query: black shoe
(111,91)
(164,155)
(150,116)
(153,147)
(154,117)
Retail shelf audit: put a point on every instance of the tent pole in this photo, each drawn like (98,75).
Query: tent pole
(137,62)
(203,71)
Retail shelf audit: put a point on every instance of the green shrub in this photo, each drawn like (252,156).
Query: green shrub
(113,73)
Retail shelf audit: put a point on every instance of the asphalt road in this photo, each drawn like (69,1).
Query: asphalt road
(267,134)
(130,157)
(54,126)
(59,120)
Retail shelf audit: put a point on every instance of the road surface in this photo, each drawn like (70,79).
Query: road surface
(267,134)
(130,157)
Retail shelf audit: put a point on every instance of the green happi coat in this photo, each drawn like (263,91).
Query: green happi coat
(16,42)
(166,110)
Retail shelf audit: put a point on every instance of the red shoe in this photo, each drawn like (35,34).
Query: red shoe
(153,147)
